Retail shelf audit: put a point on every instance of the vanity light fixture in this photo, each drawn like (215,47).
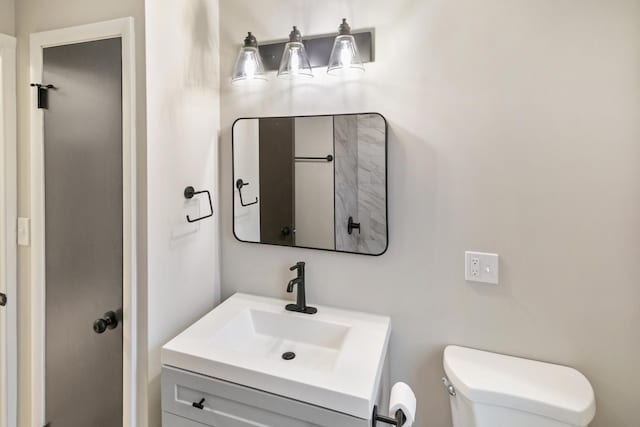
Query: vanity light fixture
(295,61)
(249,63)
(345,58)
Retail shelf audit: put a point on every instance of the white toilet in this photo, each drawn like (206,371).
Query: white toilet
(493,390)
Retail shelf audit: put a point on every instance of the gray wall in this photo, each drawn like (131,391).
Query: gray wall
(34,16)
(7,17)
(513,129)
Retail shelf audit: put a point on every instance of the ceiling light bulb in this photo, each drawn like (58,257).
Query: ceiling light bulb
(345,57)
(295,61)
(248,65)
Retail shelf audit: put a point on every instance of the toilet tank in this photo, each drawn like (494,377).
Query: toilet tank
(494,390)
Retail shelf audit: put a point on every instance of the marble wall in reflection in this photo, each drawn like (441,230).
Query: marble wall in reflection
(345,130)
(360,179)
(372,213)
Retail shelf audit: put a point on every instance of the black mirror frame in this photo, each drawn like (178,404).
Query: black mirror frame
(386,182)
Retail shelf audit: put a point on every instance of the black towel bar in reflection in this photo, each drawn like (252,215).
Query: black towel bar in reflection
(189,192)
(327,158)
(399,419)
(239,184)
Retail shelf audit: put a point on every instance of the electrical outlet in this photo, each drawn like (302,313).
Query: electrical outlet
(481,267)
(475,267)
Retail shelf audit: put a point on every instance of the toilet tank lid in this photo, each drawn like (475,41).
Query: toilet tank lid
(553,391)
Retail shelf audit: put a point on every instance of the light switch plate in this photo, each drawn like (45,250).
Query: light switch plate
(481,267)
(24,232)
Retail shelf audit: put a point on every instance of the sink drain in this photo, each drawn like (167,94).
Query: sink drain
(289,355)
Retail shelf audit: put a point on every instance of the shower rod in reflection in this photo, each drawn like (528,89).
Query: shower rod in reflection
(327,158)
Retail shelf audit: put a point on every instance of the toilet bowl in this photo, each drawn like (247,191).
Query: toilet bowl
(494,390)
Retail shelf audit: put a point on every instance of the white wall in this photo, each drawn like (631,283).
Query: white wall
(183,123)
(7,17)
(246,159)
(34,16)
(8,250)
(514,128)
(314,202)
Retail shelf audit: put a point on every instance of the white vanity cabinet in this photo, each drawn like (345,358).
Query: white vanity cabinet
(169,419)
(251,362)
(230,405)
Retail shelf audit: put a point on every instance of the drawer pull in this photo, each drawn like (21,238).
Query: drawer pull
(199,405)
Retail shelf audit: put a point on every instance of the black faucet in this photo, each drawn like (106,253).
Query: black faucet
(301,305)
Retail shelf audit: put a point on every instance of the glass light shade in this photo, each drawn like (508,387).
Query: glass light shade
(295,61)
(345,57)
(248,66)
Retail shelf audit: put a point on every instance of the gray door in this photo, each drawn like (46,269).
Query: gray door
(277,175)
(83,233)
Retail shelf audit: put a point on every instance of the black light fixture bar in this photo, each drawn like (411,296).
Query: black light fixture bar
(318,48)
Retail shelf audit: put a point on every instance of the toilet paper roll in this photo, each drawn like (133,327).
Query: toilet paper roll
(402,397)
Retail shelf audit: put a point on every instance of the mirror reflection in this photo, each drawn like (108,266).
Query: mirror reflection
(315,182)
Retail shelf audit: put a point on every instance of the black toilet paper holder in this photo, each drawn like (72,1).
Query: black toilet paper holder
(399,419)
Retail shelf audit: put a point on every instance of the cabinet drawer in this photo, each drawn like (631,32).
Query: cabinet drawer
(170,420)
(230,405)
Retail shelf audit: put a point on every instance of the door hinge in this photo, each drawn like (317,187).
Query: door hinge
(3,299)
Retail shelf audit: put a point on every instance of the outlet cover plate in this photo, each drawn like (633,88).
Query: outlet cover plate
(481,267)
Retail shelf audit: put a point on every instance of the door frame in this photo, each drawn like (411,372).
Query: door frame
(8,223)
(118,28)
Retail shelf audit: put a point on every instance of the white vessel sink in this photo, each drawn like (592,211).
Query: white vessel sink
(339,354)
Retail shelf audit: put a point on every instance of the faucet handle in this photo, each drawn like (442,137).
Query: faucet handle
(299,266)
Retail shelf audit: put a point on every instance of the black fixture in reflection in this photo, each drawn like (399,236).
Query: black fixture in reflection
(286,230)
(327,158)
(353,226)
(239,184)
(301,305)
(189,192)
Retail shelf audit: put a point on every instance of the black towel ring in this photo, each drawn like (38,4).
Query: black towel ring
(189,192)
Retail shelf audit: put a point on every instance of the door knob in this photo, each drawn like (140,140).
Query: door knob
(3,299)
(286,230)
(109,321)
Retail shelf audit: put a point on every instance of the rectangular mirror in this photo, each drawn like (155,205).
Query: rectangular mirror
(317,182)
